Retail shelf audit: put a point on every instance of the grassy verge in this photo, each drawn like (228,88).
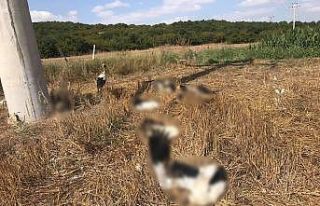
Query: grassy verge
(122,65)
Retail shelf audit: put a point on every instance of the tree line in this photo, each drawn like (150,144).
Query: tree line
(58,39)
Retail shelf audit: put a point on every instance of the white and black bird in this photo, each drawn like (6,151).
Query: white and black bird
(151,125)
(189,184)
(144,104)
(101,81)
(141,103)
(164,85)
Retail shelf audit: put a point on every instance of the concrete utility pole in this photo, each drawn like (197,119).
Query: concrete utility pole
(294,8)
(21,71)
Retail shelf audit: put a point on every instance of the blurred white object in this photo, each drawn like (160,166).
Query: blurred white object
(280,91)
(145,104)
(203,184)
(165,86)
(138,167)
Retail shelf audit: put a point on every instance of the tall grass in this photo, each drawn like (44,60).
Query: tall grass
(224,56)
(301,43)
(79,70)
(300,38)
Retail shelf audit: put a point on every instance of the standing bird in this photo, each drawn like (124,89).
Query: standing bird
(101,81)
(199,184)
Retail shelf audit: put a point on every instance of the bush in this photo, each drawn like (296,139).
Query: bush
(224,56)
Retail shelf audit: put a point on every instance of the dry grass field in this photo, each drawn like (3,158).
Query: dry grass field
(269,143)
(178,49)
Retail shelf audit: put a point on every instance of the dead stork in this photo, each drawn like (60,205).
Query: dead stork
(164,85)
(141,103)
(101,81)
(151,125)
(190,184)
(144,104)
(61,99)
(195,91)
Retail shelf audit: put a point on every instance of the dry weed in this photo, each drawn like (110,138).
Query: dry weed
(94,156)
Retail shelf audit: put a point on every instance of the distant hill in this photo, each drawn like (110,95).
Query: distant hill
(56,39)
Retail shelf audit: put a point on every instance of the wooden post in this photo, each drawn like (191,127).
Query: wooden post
(93,52)
(21,73)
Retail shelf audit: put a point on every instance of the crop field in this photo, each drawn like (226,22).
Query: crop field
(269,141)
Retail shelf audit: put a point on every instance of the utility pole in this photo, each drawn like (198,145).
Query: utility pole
(294,8)
(21,73)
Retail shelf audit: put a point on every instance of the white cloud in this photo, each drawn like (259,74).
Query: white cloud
(249,3)
(105,14)
(257,10)
(107,7)
(309,10)
(311,5)
(167,7)
(252,3)
(40,16)
(115,4)
(72,16)
(170,6)
(179,18)
(257,14)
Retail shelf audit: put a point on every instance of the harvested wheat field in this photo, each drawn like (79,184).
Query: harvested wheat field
(268,140)
(156,50)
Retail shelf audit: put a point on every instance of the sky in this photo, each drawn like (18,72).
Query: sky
(169,11)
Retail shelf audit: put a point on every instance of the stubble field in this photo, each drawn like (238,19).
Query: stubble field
(268,142)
